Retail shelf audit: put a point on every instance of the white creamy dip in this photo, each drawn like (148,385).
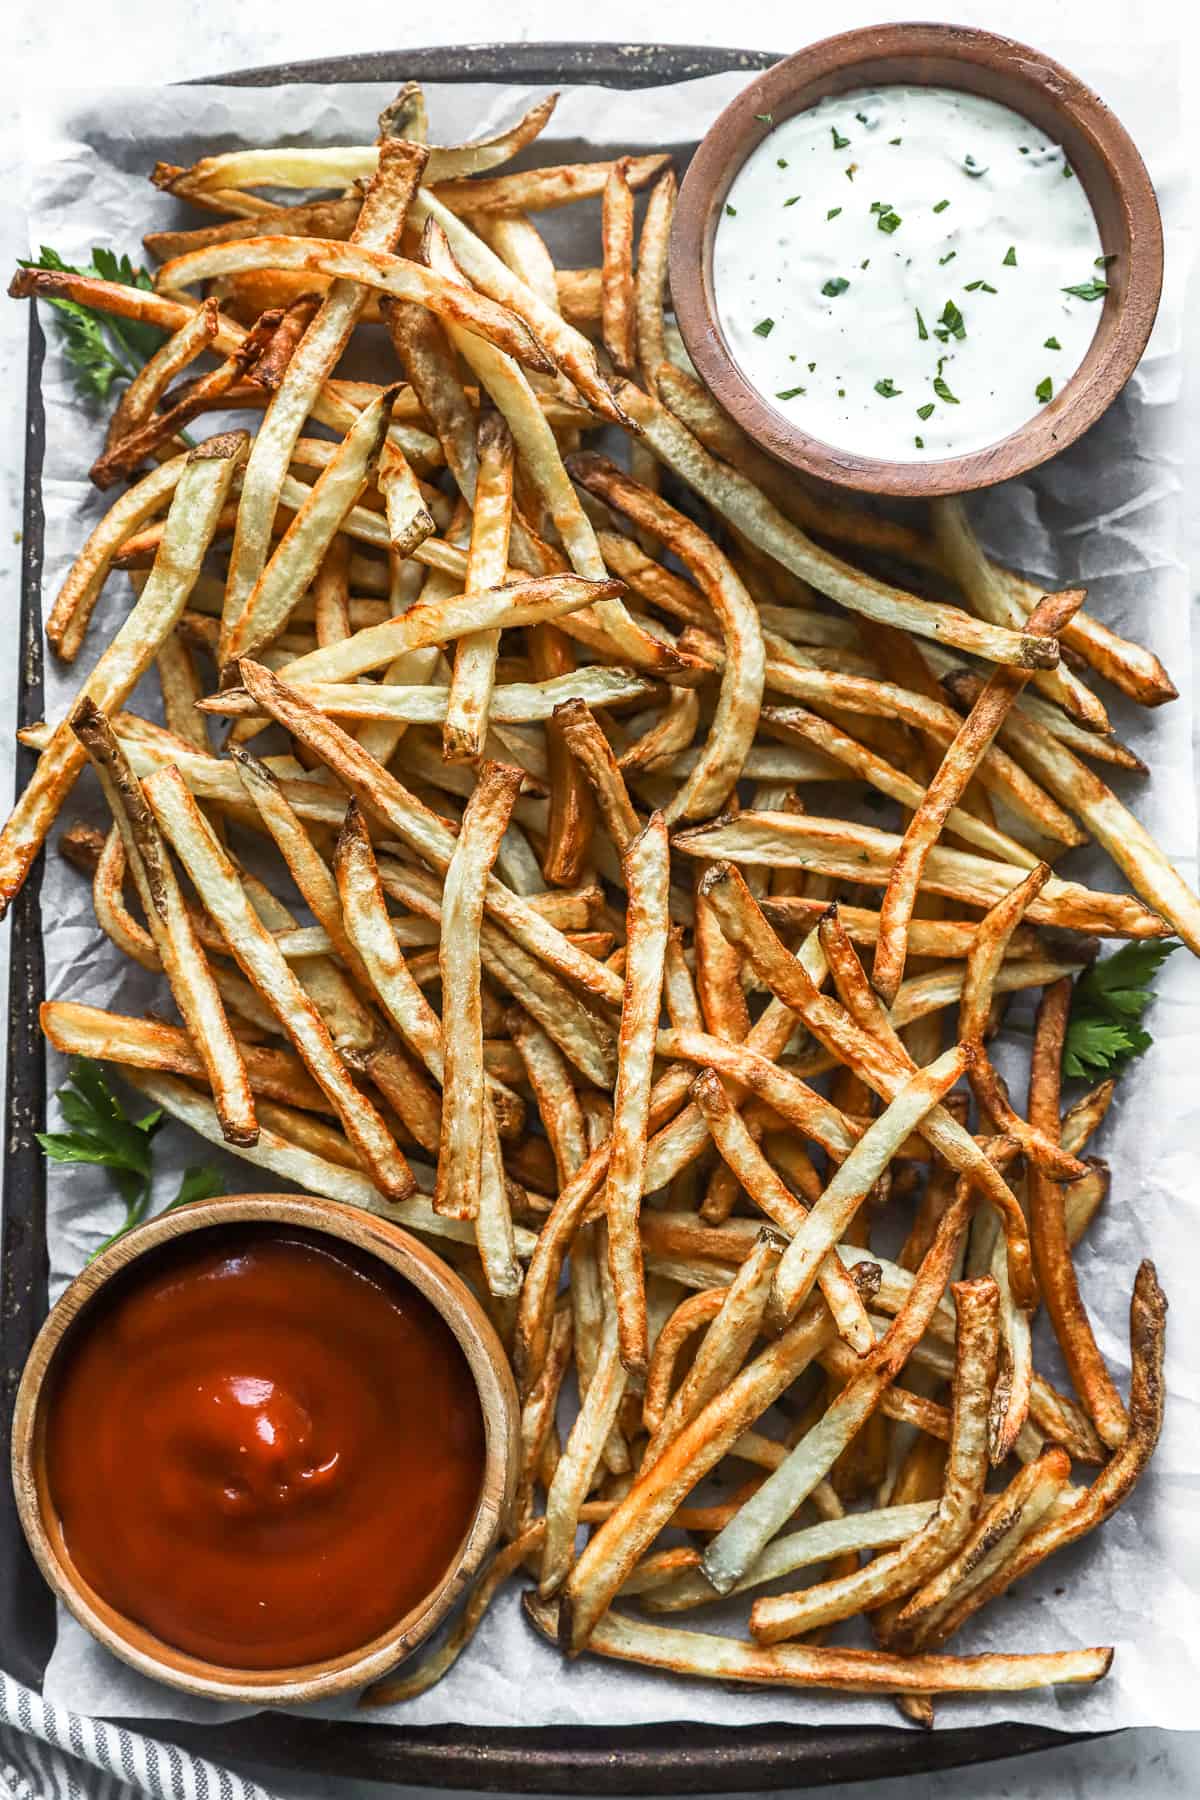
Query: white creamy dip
(893,271)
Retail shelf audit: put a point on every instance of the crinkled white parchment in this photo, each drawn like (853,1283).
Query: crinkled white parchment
(1104,514)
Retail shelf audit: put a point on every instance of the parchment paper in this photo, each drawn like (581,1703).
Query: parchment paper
(1104,514)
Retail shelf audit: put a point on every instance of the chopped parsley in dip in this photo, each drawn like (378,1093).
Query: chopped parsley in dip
(958,257)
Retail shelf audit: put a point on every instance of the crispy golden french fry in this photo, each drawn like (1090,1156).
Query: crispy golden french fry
(736,498)
(572,812)
(1052,1256)
(961,554)
(734,1550)
(647,875)
(651,287)
(216,880)
(1003,1526)
(460,1156)
(891,1575)
(830,1218)
(961,760)
(202,483)
(183,959)
(297,558)
(152,380)
(771,1195)
(475,656)
(617,317)
(538,190)
(794,1665)
(736,717)
(78,1030)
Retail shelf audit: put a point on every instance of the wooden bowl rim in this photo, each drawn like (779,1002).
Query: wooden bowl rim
(1115,350)
(133,1643)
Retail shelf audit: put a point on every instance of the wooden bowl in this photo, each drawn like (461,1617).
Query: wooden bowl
(132,1642)
(1099,150)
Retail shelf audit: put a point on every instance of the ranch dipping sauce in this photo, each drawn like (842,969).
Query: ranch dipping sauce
(908,273)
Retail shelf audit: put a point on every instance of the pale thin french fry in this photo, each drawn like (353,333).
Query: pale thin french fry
(475,656)
(572,814)
(617,317)
(647,875)
(538,190)
(216,880)
(651,286)
(200,486)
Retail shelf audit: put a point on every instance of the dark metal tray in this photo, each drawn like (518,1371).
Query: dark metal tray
(661,1759)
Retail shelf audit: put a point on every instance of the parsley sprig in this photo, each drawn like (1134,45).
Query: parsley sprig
(102,1132)
(1105,1031)
(100,347)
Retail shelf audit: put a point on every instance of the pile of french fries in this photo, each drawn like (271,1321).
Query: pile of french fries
(556,948)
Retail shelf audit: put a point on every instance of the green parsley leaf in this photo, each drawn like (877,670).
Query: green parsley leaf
(941,206)
(730,211)
(949,257)
(102,1133)
(922,333)
(764,328)
(839,142)
(1105,1032)
(794,199)
(1044,390)
(199,1183)
(925,412)
(1068,171)
(952,321)
(862,118)
(837,284)
(1010,257)
(889,222)
(887,388)
(850,171)
(781,162)
(919,442)
(790,393)
(1051,344)
(894,140)
(942,391)
(833,212)
(1088,290)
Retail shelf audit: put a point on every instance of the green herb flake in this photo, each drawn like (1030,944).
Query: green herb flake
(1068,171)
(1044,390)
(941,206)
(952,321)
(851,171)
(837,284)
(889,222)
(949,257)
(974,169)
(839,142)
(926,411)
(781,162)
(887,389)
(1088,290)
(1105,1031)
(811,367)
(102,1133)
(790,393)
(1051,344)
(940,387)
(862,118)
(792,201)
(922,333)
(894,140)
(764,328)
(833,212)
(765,118)
(919,442)
(730,211)
(1010,257)
(1102,262)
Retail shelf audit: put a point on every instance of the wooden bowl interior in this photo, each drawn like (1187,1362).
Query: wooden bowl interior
(1103,157)
(140,1647)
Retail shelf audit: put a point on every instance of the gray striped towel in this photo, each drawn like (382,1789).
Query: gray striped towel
(49,1753)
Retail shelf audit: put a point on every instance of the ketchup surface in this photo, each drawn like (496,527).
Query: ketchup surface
(263,1447)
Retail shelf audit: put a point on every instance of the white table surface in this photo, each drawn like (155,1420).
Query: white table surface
(74,43)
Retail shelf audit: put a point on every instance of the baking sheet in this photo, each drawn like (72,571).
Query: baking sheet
(1105,514)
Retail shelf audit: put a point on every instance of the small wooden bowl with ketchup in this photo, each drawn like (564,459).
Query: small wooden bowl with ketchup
(262,1444)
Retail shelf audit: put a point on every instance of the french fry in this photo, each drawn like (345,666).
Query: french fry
(475,656)
(539,190)
(963,757)
(152,380)
(647,872)
(1056,1273)
(216,880)
(182,956)
(651,284)
(460,1157)
(572,815)
(202,483)
(889,1576)
(617,318)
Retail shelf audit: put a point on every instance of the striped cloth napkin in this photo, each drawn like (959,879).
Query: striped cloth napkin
(49,1753)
